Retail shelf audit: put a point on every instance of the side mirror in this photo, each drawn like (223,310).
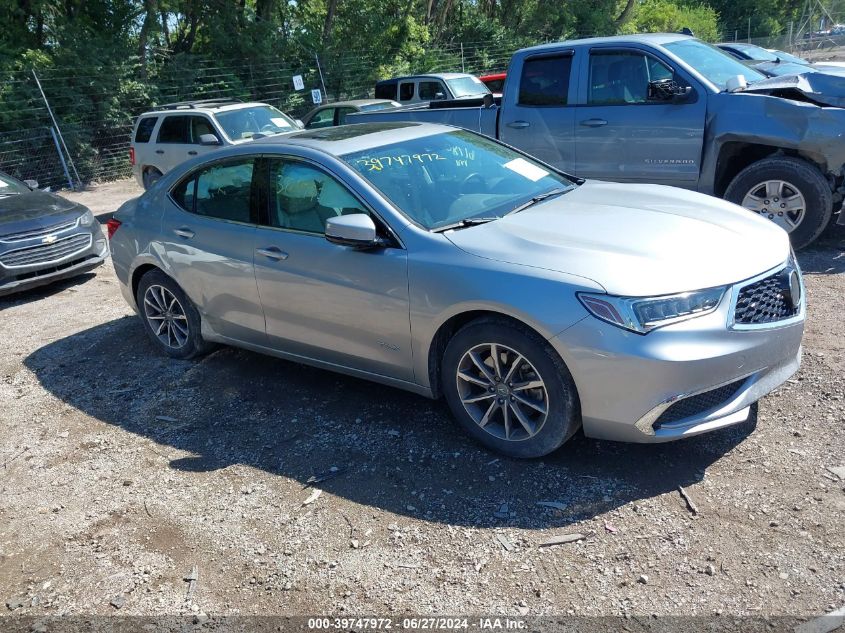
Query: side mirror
(357,230)
(300,124)
(439,96)
(668,91)
(32,184)
(209,139)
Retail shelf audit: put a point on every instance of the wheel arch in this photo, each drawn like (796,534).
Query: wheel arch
(138,273)
(734,156)
(451,325)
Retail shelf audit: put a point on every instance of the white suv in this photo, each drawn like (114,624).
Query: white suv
(173,133)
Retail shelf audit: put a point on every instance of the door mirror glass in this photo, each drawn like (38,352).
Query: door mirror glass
(357,230)
(32,184)
(209,139)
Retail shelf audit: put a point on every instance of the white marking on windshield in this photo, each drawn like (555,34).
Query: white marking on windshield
(526,169)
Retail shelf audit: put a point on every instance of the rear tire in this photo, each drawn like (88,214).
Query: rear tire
(805,209)
(151,176)
(170,318)
(524,403)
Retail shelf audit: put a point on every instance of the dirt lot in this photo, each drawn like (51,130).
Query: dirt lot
(121,470)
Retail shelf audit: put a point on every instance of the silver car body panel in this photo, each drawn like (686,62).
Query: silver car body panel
(376,313)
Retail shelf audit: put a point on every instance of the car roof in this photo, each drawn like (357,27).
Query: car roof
(429,75)
(656,39)
(355,137)
(200,109)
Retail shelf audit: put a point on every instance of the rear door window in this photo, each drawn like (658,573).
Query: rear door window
(145,129)
(174,129)
(221,190)
(545,81)
(386,91)
(406,91)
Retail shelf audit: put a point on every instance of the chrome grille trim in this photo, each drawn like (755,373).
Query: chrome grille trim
(28,235)
(736,289)
(43,254)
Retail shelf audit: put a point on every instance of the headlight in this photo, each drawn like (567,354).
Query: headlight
(87,218)
(643,314)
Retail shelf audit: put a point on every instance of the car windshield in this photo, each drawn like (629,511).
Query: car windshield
(467,87)
(244,123)
(779,69)
(758,54)
(713,64)
(452,177)
(10,187)
(384,105)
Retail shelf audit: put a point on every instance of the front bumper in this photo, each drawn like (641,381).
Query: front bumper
(92,253)
(627,382)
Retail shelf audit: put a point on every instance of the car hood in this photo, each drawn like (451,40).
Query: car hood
(35,209)
(634,240)
(822,87)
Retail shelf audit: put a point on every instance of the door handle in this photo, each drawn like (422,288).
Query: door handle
(193,152)
(518,124)
(184,232)
(593,122)
(272,252)
(159,151)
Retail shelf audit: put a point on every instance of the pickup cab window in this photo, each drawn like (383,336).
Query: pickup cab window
(622,77)
(429,90)
(406,91)
(545,81)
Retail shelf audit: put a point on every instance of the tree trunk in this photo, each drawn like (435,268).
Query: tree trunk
(150,20)
(627,13)
(327,25)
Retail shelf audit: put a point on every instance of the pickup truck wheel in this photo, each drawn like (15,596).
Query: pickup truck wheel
(509,389)
(789,191)
(151,175)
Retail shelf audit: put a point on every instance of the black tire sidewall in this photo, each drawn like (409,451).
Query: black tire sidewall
(195,344)
(803,175)
(564,413)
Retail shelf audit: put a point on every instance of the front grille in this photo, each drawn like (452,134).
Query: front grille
(695,405)
(46,253)
(766,301)
(28,235)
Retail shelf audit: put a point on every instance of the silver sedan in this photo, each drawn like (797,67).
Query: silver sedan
(442,262)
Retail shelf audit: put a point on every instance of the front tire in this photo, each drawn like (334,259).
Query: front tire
(170,318)
(790,191)
(509,389)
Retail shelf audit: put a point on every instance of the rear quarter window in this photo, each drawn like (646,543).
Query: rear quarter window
(145,129)
(545,81)
(386,91)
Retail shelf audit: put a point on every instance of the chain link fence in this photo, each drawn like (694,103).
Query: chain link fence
(95,108)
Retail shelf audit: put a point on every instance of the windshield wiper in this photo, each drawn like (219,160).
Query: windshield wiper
(536,199)
(462,224)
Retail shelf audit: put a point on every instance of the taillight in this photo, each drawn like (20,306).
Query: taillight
(131,155)
(112,226)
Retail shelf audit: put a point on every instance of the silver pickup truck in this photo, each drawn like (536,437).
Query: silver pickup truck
(669,109)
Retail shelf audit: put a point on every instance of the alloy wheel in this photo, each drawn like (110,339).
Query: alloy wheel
(502,392)
(166,316)
(779,201)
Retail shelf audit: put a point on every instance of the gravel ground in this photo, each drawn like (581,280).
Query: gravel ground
(122,471)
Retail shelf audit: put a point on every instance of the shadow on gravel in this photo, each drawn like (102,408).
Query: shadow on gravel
(391,450)
(42,292)
(825,256)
